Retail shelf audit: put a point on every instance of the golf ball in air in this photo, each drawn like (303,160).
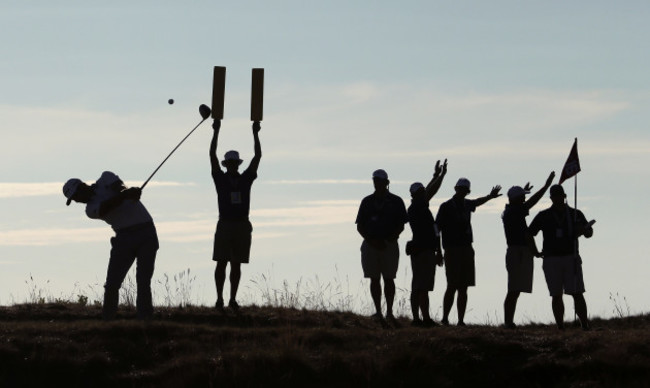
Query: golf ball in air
(170,101)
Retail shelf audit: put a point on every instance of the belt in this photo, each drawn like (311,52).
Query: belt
(136,227)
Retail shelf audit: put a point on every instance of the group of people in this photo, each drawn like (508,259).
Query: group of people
(443,240)
(135,234)
(382,216)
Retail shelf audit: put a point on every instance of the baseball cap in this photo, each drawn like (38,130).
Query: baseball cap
(557,190)
(463,182)
(70,189)
(516,191)
(232,155)
(415,187)
(381,174)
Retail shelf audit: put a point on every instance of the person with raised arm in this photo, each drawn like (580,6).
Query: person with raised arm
(233,236)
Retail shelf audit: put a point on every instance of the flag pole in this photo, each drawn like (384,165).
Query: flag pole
(575,240)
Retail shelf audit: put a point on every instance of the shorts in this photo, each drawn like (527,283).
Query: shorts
(519,263)
(380,262)
(564,275)
(459,267)
(424,270)
(232,241)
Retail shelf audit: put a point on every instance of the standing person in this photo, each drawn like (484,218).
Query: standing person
(232,239)
(561,226)
(135,237)
(454,222)
(521,245)
(380,221)
(424,248)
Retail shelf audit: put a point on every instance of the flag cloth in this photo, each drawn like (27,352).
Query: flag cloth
(572,165)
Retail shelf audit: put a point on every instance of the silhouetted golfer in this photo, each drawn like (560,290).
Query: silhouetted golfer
(380,221)
(521,245)
(454,222)
(135,236)
(232,239)
(561,226)
(424,248)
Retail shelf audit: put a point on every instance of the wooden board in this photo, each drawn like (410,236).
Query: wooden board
(257,95)
(218,91)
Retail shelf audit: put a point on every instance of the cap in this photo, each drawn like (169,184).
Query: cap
(232,155)
(70,189)
(557,190)
(381,174)
(516,191)
(415,187)
(463,182)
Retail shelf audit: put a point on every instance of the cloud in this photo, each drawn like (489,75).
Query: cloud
(37,189)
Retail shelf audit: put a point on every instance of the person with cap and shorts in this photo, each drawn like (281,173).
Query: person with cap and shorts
(561,226)
(454,222)
(521,245)
(233,236)
(424,247)
(380,221)
(135,236)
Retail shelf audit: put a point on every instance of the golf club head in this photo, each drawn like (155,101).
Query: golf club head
(205,111)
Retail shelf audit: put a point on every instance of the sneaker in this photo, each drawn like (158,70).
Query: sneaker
(393,321)
(429,323)
(219,305)
(233,305)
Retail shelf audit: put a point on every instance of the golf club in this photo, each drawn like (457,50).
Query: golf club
(204,111)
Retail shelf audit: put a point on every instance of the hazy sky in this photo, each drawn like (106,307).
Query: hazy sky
(500,88)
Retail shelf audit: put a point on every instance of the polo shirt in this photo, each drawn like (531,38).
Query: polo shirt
(129,213)
(234,193)
(514,224)
(422,224)
(558,231)
(454,221)
(380,217)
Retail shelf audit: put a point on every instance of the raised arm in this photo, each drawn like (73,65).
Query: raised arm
(439,174)
(255,162)
(214,160)
(494,193)
(532,201)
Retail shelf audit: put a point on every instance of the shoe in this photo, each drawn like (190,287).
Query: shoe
(461,324)
(444,322)
(393,321)
(233,305)
(219,305)
(429,323)
(377,316)
(509,325)
(417,323)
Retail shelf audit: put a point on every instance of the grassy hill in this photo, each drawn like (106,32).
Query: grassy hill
(67,344)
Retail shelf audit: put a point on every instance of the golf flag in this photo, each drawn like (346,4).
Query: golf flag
(572,165)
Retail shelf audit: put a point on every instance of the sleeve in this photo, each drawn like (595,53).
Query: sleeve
(471,205)
(361,213)
(441,217)
(404,214)
(581,217)
(536,225)
(92,210)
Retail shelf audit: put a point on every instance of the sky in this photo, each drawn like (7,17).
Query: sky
(499,88)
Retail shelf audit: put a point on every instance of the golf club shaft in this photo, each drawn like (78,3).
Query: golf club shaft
(170,154)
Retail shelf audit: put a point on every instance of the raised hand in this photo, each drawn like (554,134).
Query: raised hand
(528,187)
(495,191)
